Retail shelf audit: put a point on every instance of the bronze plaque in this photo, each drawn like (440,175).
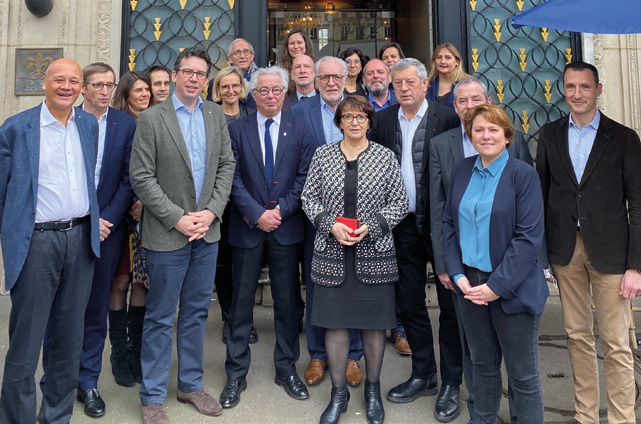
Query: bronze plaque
(31,65)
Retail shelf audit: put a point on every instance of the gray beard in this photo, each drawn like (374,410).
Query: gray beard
(378,92)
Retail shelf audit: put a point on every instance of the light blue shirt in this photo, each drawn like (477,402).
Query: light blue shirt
(408,129)
(391,100)
(332,132)
(192,125)
(580,142)
(475,212)
(468,147)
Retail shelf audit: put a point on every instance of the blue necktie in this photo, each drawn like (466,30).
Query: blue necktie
(269,153)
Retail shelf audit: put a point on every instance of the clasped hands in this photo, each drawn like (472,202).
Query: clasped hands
(481,295)
(342,233)
(195,224)
(269,220)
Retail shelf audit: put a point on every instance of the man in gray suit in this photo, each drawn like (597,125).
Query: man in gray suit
(445,151)
(181,169)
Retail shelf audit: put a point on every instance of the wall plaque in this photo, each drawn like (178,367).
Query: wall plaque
(31,65)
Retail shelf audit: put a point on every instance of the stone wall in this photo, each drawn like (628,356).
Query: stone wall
(88,31)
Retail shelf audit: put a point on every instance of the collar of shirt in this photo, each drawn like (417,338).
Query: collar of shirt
(178,105)
(419,114)
(262,119)
(495,167)
(594,124)
(327,107)
(299,95)
(468,147)
(102,117)
(46,118)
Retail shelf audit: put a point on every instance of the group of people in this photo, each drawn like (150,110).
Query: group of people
(363,171)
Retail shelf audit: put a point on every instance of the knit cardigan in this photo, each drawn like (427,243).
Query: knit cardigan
(381,204)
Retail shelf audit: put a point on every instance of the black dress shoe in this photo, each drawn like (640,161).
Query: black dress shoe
(94,405)
(412,389)
(294,387)
(337,405)
(447,404)
(253,336)
(373,403)
(231,393)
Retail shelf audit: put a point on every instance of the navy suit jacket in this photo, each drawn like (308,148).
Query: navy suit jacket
(19,161)
(115,193)
(516,235)
(310,111)
(250,193)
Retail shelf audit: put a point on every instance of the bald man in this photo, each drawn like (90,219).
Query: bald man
(51,237)
(302,74)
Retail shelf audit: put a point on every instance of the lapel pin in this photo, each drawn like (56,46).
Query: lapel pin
(284,134)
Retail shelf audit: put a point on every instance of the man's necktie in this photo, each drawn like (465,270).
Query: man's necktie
(269,153)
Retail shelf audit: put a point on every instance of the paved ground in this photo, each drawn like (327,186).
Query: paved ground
(264,402)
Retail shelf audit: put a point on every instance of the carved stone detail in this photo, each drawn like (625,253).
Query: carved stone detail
(599,62)
(635,90)
(104,31)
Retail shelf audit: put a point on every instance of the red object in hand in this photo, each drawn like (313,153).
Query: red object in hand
(352,223)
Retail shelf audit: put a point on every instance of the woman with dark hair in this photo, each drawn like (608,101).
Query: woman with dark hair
(445,73)
(391,53)
(493,231)
(355,61)
(354,196)
(133,95)
(296,43)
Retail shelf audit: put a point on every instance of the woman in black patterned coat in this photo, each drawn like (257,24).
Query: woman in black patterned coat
(354,271)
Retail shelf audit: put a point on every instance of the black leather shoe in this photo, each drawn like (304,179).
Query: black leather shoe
(447,404)
(412,389)
(94,405)
(337,405)
(374,403)
(294,387)
(253,336)
(230,395)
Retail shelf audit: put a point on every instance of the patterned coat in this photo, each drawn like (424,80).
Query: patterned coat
(381,204)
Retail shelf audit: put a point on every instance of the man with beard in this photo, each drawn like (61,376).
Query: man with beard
(377,79)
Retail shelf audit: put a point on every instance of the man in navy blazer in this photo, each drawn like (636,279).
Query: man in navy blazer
(272,152)
(115,195)
(50,232)
(318,114)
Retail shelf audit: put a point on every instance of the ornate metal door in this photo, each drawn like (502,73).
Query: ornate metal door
(155,31)
(521,67)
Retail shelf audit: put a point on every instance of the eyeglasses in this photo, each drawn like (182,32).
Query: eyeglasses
(243,52)
(348,118)
(188,73)
(325,78)
(99,86)
(233,87)
(264,91)
(350,61)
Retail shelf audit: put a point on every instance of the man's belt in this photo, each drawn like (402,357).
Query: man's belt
(64,225)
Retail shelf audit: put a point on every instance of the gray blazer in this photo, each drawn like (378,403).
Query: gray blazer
(445,151)
(161,174)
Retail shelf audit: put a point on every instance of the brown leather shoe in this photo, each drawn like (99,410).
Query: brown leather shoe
(154,414)
(354,373)
(315,372)
(400,343)
(204,403)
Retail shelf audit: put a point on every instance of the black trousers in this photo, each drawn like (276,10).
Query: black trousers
(53,287)
(412,256)
(284,277)
(224,271)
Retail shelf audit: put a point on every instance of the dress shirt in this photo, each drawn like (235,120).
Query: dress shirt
(273,133)
(408,129)
(391,100)
(468,147)
(332,132)
(192,126)
(475,213)
(300,95)
(102,129)
(580,142)
(62,178)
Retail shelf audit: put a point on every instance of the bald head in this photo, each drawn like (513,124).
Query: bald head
(302,73)
(62,83)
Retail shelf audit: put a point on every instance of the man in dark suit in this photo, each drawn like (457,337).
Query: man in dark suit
(302,74)
(116,132)
(406,129)
(50,230)
(318,112)
(591,180)
(445,151)
(272,152)
(181,169)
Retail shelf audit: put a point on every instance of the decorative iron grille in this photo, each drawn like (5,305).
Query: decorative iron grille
(521,67)
(158,30)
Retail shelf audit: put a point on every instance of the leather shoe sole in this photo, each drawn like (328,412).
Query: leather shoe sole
(230,396)
(94,405)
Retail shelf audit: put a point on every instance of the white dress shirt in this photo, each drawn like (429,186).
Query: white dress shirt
(102,130)
(273,133)
(62,179)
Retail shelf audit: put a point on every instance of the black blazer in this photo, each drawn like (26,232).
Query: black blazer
(439,119)
(607,200)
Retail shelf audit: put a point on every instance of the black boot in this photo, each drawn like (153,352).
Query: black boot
(337,405)
(136,319)
(118,338)
(374,403)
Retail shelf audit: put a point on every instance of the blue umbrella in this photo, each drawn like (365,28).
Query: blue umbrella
(594,16)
